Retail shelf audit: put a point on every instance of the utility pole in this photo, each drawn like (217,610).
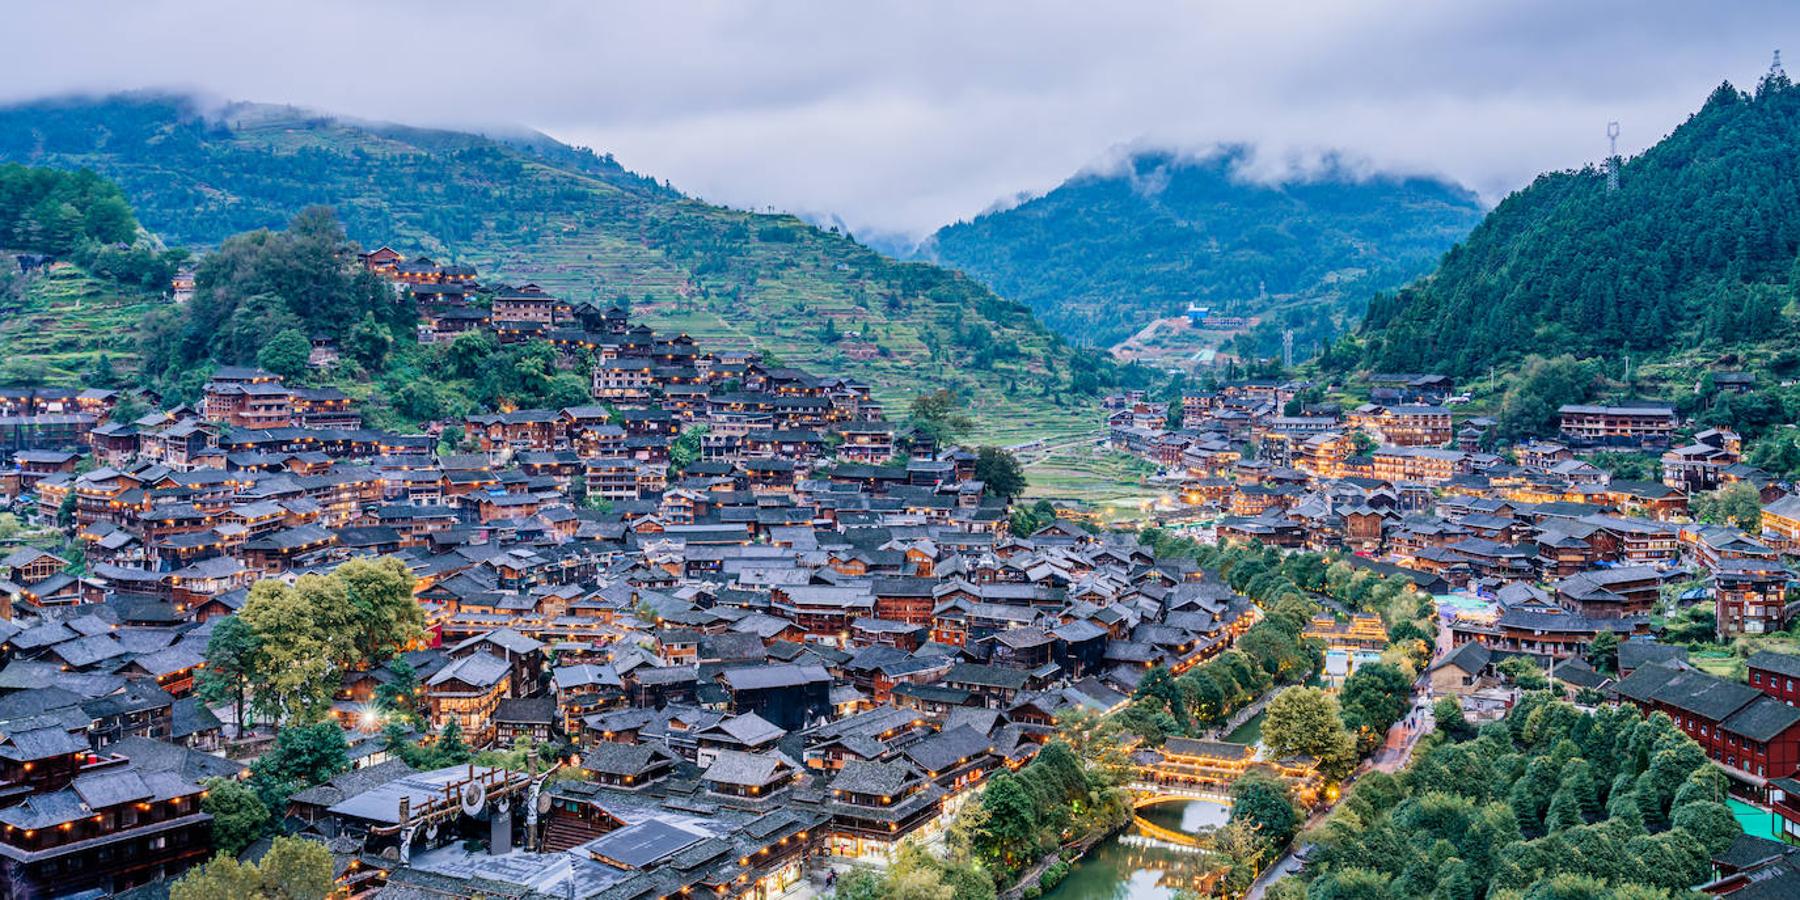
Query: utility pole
(1612,155)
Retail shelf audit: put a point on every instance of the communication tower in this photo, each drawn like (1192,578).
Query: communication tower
(1612,156)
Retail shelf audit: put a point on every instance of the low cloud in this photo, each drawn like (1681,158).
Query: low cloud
(899,117)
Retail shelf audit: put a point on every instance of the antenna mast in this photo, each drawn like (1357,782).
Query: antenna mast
(1612,157)
(1287,348)
(1776,72)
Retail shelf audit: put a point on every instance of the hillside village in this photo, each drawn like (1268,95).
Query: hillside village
(730,628)
(718,595)
(588,540)
(1541,553)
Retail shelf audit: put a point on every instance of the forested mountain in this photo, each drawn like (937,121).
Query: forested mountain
(1694,251)
(1103,254)
(526,208)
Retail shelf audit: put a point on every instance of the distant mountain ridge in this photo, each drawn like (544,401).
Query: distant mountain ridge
(527,208)
(1106,252)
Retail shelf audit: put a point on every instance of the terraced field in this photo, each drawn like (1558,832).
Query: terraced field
(64,321)
(1110,483)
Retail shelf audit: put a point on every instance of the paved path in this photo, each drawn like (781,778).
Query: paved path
(1393,755)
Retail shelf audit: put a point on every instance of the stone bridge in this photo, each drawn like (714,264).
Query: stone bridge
(1145,794)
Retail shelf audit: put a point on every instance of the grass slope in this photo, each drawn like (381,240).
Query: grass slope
(525,208)
(64,320)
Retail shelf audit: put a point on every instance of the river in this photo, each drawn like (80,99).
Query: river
(1118,869)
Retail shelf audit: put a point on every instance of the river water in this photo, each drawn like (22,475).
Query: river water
(1119,869)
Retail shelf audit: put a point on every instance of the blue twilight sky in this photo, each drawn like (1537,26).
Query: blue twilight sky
(898,117)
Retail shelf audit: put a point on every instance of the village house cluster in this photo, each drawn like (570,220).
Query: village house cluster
(761,626)
(811,637)
(1556,550)
(1566,549)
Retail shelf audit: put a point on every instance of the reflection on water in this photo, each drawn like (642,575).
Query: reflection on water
(1188,817)
(1124,867)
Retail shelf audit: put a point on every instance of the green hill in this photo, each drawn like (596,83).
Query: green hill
(526,208)
(1690,261)
(1103,254)
(58,321)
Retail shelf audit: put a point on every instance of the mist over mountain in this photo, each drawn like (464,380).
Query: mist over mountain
(523,207)
(1695,250)
(1110,250)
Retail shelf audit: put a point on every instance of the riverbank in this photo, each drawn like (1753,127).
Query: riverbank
(1243,717)
(1129,864)
(1075,853)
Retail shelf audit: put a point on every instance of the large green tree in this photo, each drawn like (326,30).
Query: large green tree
(940,415)
(1537,392)
(1374,697)
(1305,721)
(386,614)
(999,470)
(224,878)
(286,649)
(1011,832)
(1738,504)
(296,869)
(262,283)
(286,354)
(1265,805)
(293,869)
(239,816)
(302,756)
(295,675)
(233,660)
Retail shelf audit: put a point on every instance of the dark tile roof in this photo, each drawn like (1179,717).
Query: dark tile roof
(353,782)
(947,750)
(876,778)
(612,758)
(1643,683)
(1705,696)
(526,711)
(1768,660)
(986,676)
(1633,654)
(1762,719)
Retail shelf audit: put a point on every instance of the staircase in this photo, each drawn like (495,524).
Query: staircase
(563,832)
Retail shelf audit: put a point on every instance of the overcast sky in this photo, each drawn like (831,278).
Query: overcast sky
(900,117)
